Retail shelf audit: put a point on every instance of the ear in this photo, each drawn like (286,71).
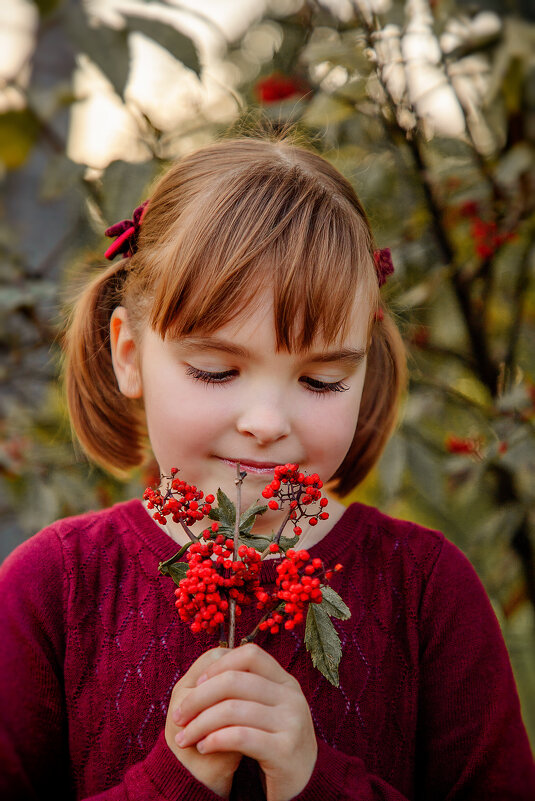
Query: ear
(125,355)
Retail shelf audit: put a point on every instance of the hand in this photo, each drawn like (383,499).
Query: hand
(246,702)
(216,770)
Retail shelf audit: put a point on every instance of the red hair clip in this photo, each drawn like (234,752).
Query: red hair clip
(383,264)
(126,232)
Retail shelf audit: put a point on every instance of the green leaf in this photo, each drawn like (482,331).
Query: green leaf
(287,542)
(323,643)
(106,47)
(59,176)
(333,604)
(179,45)
(163,566)
(326,110)
(260,543)
(227,510)
(248,517)
(178,571)
(124,185)
(46,7)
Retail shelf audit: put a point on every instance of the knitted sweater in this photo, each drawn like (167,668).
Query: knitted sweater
(91,647)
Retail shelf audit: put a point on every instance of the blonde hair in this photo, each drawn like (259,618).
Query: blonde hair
(223,223)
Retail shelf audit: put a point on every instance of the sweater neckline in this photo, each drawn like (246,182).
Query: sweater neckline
(330,549)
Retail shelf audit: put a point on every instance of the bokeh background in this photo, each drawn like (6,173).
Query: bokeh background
(427,106)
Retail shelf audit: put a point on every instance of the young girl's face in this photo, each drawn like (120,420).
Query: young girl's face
(214,400)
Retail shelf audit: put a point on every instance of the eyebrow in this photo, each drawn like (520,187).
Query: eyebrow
(350,357)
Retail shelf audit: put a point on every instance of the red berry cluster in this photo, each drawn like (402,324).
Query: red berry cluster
(276,87)
(214,578)
(291,487)
(464,445)
(222,578)
(487,238)
(299,580)
(180,500)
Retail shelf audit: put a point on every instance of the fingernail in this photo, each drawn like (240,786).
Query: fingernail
(177,715)
(200,747)
(201,679)
(179,738)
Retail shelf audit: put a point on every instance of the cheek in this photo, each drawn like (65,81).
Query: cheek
(334,430)
(181,414)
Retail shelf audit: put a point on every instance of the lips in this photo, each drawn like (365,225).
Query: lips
(251,466)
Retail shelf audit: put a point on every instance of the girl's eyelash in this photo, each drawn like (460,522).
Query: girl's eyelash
(208,377)
(322,387)
(311,384)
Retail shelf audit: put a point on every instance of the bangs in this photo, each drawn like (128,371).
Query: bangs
(274,226)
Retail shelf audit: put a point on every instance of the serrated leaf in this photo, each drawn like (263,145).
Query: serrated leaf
(248,517)
(213,514)
(333,604)
(323,643)
(175,42)
(227,510)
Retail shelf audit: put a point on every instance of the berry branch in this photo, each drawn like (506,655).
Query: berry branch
(218,573)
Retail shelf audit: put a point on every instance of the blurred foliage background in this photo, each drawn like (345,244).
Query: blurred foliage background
(427,106)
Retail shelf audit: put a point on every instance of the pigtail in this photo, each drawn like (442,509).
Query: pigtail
(109,426)
(386,379)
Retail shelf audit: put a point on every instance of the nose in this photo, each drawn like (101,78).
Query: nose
(264,418)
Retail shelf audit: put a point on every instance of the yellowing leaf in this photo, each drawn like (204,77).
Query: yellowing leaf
(18,133)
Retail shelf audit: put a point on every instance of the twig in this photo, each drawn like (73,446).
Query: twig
(519,300)
(276,538)
(189,532)
(486,368)
(240,475)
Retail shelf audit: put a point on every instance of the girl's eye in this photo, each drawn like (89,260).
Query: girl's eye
(209,377)
(321,387)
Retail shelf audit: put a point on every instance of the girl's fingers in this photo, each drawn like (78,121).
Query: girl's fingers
(229,713)
(230,684)
(251,742)
(249,658)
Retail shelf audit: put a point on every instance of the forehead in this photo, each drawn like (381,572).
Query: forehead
(258,324)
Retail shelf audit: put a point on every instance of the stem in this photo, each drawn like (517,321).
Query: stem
(163,565)
(277,536)
(250,637)
(519,301)
(189,532)
(232,604)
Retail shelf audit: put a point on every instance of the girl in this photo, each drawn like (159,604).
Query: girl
(244,324)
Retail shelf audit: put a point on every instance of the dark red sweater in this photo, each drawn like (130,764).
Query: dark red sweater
(91,647)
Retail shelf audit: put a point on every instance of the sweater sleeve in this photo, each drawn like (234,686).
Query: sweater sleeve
(471,742)
(34,748)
